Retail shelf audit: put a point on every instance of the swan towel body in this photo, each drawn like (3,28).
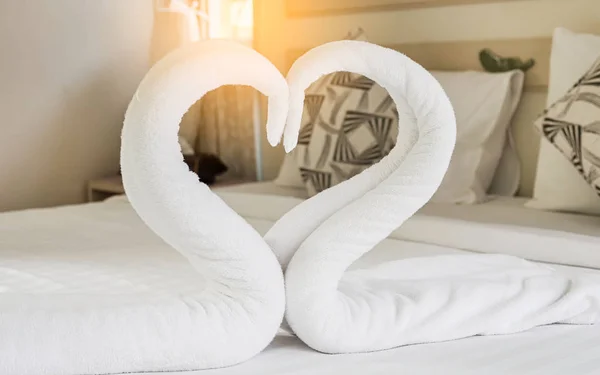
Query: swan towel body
(240,303)
(410,301)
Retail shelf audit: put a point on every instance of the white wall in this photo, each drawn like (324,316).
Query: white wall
(68,69)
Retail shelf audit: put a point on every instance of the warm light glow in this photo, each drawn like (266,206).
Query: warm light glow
(230,19)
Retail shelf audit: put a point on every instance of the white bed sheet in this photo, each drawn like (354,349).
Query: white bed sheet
(500,225)
(553,350)
(110,250)
(497,210)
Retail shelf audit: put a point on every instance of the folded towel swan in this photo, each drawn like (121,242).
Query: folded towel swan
(241,303)
(415,300)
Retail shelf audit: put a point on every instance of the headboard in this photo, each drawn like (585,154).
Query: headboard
(463,55)
(305,8)
(438,34)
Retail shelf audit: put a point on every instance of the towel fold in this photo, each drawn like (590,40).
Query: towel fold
(415,300)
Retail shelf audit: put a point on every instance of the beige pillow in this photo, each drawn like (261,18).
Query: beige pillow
(559,186)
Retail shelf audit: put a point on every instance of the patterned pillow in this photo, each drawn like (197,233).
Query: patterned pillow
(572,125)
(349,124)
(289,173)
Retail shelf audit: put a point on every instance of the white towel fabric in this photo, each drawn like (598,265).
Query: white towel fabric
(240,305)
(410,301)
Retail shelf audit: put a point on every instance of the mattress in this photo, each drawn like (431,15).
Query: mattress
(105,249)
(496,210)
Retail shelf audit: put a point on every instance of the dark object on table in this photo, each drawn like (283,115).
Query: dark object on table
(494,63)
(206,166)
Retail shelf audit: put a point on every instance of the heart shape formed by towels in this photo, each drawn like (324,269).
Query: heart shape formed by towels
(412,301)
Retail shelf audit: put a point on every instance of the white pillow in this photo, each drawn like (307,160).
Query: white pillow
(484,104)
(558,186)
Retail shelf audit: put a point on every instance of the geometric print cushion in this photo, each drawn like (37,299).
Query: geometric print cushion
(572,125)
(349,123)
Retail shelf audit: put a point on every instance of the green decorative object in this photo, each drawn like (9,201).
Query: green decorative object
(494,63)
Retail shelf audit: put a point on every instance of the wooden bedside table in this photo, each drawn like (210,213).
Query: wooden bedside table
(100,189)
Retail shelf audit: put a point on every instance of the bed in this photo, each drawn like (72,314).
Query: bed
(112,251)
(104,249)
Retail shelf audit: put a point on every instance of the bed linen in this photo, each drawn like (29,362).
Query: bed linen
(104,248)
(495,210)
(554,350)
(491,219)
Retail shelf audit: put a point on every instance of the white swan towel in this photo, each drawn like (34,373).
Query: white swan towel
(240,301)
(410,301)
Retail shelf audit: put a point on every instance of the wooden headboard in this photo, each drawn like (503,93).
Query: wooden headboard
(307,8)
(463,55)
(438,34)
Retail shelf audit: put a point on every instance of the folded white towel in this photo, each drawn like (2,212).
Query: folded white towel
(240,305)
(410,301)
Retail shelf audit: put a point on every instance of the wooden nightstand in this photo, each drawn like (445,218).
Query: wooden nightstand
(100,189)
